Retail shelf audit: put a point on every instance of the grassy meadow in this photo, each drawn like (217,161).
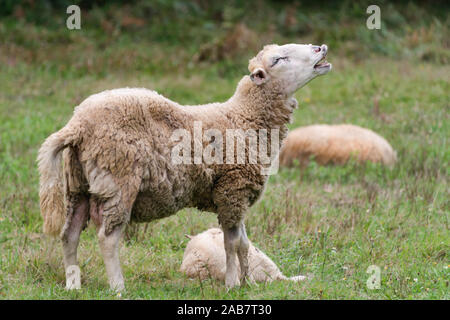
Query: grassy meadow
(330,223)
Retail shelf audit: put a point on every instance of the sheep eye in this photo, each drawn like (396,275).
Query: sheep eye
(278,59)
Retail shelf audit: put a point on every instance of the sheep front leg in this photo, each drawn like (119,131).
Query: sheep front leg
(231,237)
(236,243)
(232,203)
(243,252)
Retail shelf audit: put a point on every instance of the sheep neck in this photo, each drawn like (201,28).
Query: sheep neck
(260,107)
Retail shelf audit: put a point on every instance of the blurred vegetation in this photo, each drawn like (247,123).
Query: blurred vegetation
(211,31)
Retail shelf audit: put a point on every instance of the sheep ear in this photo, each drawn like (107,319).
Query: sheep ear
(259,76)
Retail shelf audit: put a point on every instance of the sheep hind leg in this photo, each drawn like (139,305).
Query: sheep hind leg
(242,252)
(109,246)
(115,214)
(78,213)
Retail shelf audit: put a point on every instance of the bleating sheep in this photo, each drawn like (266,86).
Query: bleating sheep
(335,144)
(118,164)
(204,257)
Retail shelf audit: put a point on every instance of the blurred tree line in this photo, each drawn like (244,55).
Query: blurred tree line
(223,28)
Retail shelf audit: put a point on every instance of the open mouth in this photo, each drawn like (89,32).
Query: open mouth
(322,63)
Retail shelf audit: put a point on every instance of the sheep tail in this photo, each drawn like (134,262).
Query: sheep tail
(51,192)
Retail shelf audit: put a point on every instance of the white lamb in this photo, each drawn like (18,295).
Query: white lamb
(205,258)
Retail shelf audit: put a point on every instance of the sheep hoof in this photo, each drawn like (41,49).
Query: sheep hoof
(230,284)
(118,288)
(245,282)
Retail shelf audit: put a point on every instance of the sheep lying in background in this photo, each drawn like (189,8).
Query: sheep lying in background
(335,144)
(118,162)
(204,258)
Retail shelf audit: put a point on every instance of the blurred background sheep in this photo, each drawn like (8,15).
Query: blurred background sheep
(335,144)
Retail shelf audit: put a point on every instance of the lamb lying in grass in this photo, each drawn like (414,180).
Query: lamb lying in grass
(117,155)
(205,258)
(335,144)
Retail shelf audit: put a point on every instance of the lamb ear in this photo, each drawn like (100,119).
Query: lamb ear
(259,76)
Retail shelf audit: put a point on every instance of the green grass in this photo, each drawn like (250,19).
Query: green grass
(328,222)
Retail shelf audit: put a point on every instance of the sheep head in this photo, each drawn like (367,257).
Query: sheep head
(291,66)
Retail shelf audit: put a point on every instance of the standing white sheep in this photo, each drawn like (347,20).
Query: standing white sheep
(118,164)
(204,258)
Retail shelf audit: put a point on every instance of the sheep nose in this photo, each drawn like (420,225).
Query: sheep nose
(324,48)
(317,49)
